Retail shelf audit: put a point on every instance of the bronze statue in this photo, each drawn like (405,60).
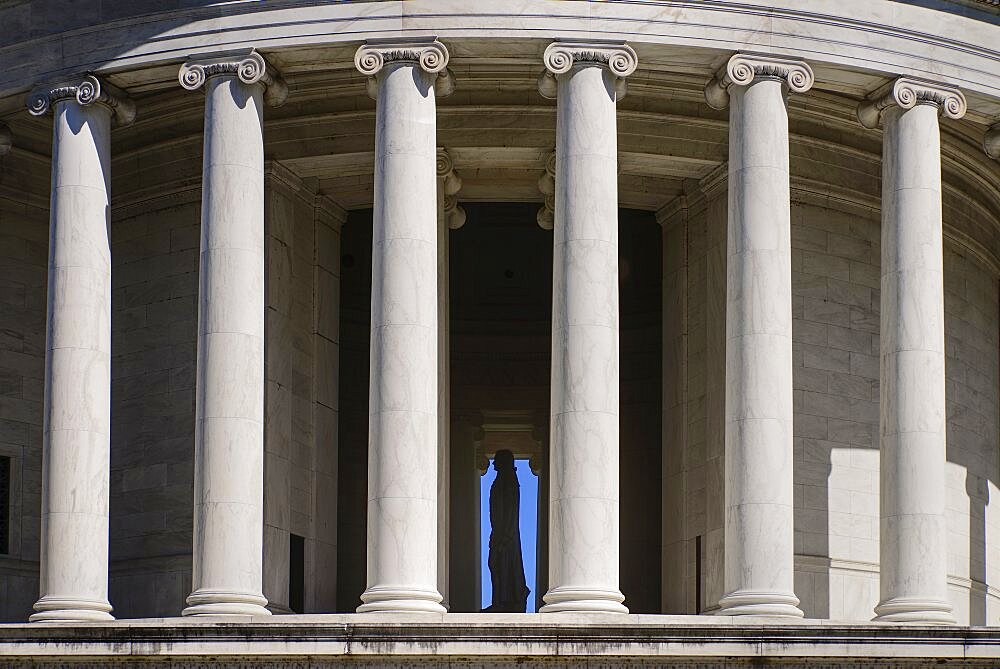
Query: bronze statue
(510,593)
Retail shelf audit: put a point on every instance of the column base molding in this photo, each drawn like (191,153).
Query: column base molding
(760,603)
(396,598)
(578,600)
(225,603)
(51,609)
(923,610)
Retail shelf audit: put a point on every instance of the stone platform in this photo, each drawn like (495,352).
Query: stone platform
(485,640)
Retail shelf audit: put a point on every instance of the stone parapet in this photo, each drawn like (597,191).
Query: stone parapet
(535,639)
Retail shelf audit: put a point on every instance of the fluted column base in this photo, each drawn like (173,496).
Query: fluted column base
(927,611)
(578,600)
(760,603)
(225,603)
(50,609)
(398,599)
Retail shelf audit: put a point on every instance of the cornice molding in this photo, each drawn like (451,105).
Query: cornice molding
(427,52)
(24,199)
(88,90)
(246,65)
(451,184)
(280,176)
(907,93)
(691,202)
(991,142)
(743,69)
(154,199)
(562,56)
(868,207)
(6,139)
(547,187)
(328,211)
(715,182)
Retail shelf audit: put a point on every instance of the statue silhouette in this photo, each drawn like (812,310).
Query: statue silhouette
(510,593)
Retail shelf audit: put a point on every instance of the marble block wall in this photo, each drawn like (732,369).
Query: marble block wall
(971,367)
(835,307)
(154,251)
(300,443)
(694,312)
(23,253)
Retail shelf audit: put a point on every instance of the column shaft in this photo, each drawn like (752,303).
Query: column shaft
(759,548)
(913,552)
(229,427)
(584,511)
(77,411)
(403,391)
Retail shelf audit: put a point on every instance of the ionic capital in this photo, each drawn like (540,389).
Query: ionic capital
(907,93)
(743,68)
(446,171)
(247,65)
(547,187)
(454,213)
(6,139)
(450,184)
(991,143)
(427,52)
(88,91)
(560,57)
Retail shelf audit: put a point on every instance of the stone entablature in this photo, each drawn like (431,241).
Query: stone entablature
(912,40)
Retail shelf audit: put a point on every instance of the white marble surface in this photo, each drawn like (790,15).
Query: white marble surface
(759,570)
(229,428)
(403,391)
(584,496)
(77,412)
(913,413)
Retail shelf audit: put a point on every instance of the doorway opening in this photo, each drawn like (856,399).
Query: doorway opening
(528,524)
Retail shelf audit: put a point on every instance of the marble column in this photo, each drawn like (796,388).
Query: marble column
(991,142)
(76,450)
(229,411)
(587,80)
(913,552)
(449,216)
(405,76)
(759,511)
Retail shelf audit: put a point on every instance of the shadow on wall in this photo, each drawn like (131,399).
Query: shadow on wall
(971,367)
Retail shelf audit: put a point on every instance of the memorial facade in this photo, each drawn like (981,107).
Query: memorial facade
(279,279)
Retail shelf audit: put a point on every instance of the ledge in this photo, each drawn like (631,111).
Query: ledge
(560,638)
